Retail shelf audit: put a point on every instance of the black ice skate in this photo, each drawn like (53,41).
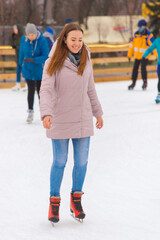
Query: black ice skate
(144,86)
(157,100)
(53,214)
(76,206)
(130,87)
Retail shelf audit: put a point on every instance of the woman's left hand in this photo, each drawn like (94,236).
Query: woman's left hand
(99,123)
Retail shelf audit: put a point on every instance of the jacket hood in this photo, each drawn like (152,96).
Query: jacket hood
(39,33)
(48,35)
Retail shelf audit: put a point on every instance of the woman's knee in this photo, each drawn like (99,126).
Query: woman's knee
(60,152)
(60,160)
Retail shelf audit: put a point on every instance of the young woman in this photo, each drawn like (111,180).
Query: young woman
(15,40)
(33,53)
(68,102)
(155,45)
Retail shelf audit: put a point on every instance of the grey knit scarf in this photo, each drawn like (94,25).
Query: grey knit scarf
(75,58)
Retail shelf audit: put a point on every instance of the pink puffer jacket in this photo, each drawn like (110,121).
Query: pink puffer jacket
(70,99)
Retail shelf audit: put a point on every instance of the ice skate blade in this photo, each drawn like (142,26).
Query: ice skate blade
(130,89)
(29,121)
(15,90)
(77,219)
(52,223)
(23,89)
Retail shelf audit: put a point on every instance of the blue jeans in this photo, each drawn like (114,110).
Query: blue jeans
(18,71)
(158,73)
(60,155)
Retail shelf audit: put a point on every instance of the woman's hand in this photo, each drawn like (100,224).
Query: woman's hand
(47,122)
(99,123)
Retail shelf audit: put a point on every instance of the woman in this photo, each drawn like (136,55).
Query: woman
(33,53)
(18,32)
(68,102)
(155,45)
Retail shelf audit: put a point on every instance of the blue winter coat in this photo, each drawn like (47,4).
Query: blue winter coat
(38,50)
(50,42)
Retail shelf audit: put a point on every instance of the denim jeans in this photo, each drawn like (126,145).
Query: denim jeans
(60,155)
(18,71)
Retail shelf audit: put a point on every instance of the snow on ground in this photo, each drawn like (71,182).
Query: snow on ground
(122,190)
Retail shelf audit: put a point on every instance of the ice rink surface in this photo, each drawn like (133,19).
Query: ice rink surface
(122,186)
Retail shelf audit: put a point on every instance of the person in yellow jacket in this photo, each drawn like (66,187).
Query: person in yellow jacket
(141,40)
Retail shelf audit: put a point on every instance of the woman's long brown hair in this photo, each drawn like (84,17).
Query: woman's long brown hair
(61,51)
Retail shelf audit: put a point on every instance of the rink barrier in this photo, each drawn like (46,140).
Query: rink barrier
(113,73)
(9,52)
(107,73)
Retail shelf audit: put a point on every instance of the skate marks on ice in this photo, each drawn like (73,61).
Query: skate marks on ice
(131,173)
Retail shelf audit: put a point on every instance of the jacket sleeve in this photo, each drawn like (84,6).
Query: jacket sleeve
(21,53)
(11,42)
(149,50)
(47,92)
(44,52)
(151,39)
(131,48)
(95,104)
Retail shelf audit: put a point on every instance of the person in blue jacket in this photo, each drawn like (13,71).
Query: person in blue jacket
(48,34)
(33,53)
(155,45)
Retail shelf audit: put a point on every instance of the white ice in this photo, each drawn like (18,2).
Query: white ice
(122,187)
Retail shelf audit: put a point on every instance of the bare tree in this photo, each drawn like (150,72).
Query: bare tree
(83,13)
(2,18)
(23,11)
(12,11)
(132,8)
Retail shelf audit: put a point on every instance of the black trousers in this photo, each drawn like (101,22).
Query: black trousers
(32,86)
(143,63)
(158,72)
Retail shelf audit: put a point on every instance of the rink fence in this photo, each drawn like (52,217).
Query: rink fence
(110,63)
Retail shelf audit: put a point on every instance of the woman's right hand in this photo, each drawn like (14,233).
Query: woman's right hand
(47,122)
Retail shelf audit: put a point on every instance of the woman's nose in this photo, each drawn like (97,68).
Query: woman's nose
(76,43)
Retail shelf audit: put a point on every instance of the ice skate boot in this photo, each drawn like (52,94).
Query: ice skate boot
(16,87)
(157,100)
(53,214)
(130,87)
(76,207)
(30,116)
(144,86)
(24,89)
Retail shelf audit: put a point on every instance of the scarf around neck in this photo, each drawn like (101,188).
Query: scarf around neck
(75,57)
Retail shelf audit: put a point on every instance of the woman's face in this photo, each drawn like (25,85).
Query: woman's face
(74,41)
(31,36)
(15,30)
